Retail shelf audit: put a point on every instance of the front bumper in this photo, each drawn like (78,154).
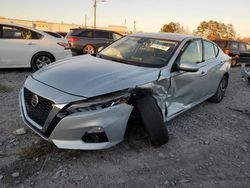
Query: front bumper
(67,133)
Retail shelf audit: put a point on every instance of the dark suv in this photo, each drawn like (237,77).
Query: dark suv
(87,41)
(239,51)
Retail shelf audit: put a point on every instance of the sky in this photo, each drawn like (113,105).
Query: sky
(150,15)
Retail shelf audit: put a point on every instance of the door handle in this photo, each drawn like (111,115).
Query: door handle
(203,73)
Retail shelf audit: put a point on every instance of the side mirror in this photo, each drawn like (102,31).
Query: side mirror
(188,66)
(100,49)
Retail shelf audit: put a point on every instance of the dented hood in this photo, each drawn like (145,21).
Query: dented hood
(89,76)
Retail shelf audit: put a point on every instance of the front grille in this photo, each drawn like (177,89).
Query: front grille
(39,112)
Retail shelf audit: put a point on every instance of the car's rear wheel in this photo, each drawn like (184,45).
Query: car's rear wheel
(221,90)
(40,60)
(152,120)
(89,49)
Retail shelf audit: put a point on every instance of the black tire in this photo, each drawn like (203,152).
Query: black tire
(44,59)
(221,90)
(152,120)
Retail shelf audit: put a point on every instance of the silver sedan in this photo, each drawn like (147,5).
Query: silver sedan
(87,101)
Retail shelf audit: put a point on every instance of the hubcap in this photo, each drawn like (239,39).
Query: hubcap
(89,49)
(42,61)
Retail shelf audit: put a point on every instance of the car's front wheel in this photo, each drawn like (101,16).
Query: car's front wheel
(221,90)
(40,60)
(152,120)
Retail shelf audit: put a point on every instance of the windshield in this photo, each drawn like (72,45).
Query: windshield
(140,51)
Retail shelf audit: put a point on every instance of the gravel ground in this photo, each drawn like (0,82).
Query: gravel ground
(209,147)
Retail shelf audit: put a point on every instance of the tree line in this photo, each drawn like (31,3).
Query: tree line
(212,30)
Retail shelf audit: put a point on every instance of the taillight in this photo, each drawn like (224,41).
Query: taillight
(72,39)
(63,44)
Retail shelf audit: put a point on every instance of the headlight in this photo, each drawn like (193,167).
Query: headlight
(100,102)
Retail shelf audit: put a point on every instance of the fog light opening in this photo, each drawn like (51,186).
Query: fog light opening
(95,135)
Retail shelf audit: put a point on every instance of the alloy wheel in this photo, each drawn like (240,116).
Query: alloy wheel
(42,61)
(88,49)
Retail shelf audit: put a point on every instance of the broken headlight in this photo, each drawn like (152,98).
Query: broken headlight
(100,102)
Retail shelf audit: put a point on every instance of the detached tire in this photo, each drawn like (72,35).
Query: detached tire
(39,60)
(152,120)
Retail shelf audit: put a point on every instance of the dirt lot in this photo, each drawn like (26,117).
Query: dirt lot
(209,147)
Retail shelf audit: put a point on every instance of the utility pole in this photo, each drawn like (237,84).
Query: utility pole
(134,31)
(95,5)
(85,21)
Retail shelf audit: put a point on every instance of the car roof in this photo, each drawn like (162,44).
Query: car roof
(90,29)
(168,36)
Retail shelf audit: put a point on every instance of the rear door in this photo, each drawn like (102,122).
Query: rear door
(211,66)
(102,38)
(244,52)
(17,47)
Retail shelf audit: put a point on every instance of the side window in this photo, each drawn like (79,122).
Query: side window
(209,52)
(9,32)
(193,52)
(87,34)
(116,36)
(242,47)
(234,46)
(102,34)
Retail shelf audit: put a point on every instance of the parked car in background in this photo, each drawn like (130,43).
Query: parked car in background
(22,46)
(153,77)
(54,34)
(239,51)
(87,41)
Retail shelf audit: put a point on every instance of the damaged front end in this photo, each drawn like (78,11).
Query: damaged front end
(245,72)
(89,124)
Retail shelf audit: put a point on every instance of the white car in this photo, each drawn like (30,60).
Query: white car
(22,46)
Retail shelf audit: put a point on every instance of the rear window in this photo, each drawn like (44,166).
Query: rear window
(53,34)
(234,45)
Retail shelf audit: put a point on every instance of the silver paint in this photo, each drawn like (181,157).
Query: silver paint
(84,77)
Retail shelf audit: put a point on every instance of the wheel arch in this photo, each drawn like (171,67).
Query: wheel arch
(54,59)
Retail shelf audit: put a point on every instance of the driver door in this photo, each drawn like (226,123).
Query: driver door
(187,88)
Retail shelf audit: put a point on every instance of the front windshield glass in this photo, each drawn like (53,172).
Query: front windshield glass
(140,51)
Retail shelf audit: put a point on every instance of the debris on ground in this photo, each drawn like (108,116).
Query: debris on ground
(15,174)
(20,131)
